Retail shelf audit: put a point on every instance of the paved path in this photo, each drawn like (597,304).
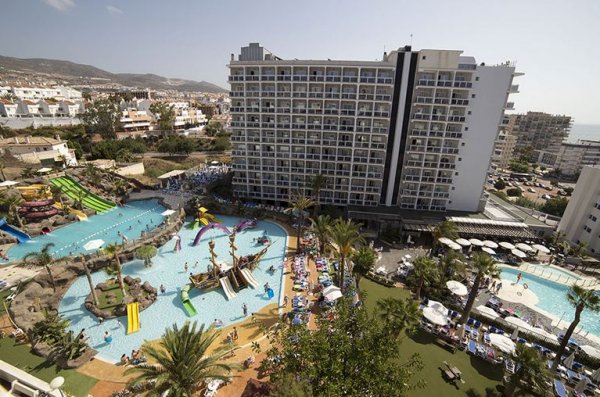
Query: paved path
(175,201)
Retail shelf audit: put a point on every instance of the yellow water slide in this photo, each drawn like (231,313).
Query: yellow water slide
(35,192)
(79,214)
(133,317)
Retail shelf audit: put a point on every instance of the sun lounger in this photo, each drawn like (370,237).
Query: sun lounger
(559,389)
(572,377)
(472,347)
(486,338)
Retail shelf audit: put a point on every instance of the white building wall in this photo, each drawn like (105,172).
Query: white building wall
(490,88)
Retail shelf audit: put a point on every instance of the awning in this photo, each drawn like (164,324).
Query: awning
(167,212)
(171,174)
(417,227)
(490,244)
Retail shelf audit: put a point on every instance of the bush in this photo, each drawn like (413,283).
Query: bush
(525,202)
(518,166)
(514,192)
(500,184)
(555,206)
(501,195)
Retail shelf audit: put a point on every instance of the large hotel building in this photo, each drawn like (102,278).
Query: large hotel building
(414,131)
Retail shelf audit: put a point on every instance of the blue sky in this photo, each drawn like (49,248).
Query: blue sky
(554,42)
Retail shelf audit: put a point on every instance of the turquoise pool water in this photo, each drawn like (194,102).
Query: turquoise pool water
(168,269)
(130,220)
(552,298)
(551,272)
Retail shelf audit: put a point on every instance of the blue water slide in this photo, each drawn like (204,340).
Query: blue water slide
(13,231)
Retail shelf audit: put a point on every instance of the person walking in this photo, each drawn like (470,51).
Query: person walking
(245,310)
(235,333)
(162,288)
(519,277)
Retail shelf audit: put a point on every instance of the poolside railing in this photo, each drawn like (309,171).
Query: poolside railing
(560,278)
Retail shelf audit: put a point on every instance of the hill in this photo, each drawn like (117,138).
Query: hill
(76,73)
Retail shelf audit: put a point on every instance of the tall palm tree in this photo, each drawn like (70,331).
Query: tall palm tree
(80,195)
(43,259)
(317,183)
(345,235)
(298,207)
(452,265)
(399,314)
(12,203)
(113,250)
(2,167)
(363,261)
(88,275)
(483,265)
(580,299)
(425,272)
(446,229)
(531,370)
(146,253)
(321,228)
(182,362)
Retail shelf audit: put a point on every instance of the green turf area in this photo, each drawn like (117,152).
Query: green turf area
(478,374)
(3,296)
(19,355)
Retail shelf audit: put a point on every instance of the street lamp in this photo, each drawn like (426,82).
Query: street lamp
(56,383)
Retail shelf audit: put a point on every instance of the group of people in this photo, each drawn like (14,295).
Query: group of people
(82,336)
(137,357)
(232,336)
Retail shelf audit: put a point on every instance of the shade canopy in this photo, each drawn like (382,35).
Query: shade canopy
(44,170)
(489,243)
(476,242)
(332,293)
(595,375)
(524,247)
(487,312)
(8,183)
(519,253)
(541,248)
(167,212)
(518,322)
(455,247)
(543,333)
(457,288)
(463,241)
(591,351)
(434,316)
(506,245)
(569,361)
(515,334)
(502,343)
(93,244)
(437,306)
(488,250)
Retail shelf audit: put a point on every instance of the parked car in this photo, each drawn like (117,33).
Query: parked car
(546,197)
(531,190)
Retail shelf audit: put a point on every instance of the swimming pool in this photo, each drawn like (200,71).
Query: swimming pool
(130,220)
(553,299)
(168,269)
(551,272)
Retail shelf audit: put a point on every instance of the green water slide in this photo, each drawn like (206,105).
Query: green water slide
(185,300)
(73,189)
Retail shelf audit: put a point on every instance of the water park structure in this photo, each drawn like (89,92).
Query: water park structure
(77,193)
(203,217)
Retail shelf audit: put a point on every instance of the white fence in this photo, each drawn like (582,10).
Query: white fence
(551,275)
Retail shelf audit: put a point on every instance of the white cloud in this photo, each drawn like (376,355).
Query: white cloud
(114,10)
(60,5)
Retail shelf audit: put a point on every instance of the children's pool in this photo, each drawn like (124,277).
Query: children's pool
(130,220)
(168,269)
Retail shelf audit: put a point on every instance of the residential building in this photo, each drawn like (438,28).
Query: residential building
(581,220)
(48,107)
(413,131)
(136,120)
(26,107)
(39,150)
(503,149)
(68,108)
(572,157)
(539,131)
(8,108)
(35,93)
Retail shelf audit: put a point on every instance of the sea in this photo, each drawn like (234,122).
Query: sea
(584,131)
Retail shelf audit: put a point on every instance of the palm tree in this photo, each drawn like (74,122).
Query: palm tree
(531,370)
(113,250)
(57,194)
(80,195)
(446,229)
(580,299)
(50,329)
(483,265)
(88,275)
(182,362)
(27,173)
(363,261)
(298,207)
(13,203)
(146,253)
(2,167)
(43,259)
(424,273)
(345,235)
(321,228)
(399,314)
(452,265)
(317,183)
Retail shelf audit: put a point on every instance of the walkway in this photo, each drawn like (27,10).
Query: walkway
(174,201)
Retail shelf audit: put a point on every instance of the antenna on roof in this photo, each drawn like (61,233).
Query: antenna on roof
(411,39)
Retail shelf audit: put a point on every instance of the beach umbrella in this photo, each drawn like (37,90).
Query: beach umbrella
(332,293)
(502,343)
(476,242)
(524,247)
(93,244)
(491,244)
(543,333)
(519,253)
(515,334)
(506,245)
(540,248)
(8,183)
(463,241)
(457,288)
(44,170)
(568,362)
(487,312)
(167,212)
(434,316)
(518,322)
(455,247)
(591,351)
(595,375)
(435,305)
(446,241)
(488,250)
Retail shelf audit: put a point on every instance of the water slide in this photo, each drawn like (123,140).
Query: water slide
(72,189)
(13,231)
(79,214)
(227,288)
(185,300)
(247,275)
(133,317)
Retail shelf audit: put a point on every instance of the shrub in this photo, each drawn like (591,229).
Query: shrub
(500,184)
(514,192)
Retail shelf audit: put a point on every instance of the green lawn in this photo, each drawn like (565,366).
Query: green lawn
(19,355)
(477,373)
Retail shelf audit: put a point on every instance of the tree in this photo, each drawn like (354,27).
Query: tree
(298,206)
(399,314)
(50,329)
(124,156)
(531,371)
(517,166)
(213,128)
(317,183)
(451,266)
(514,192)
(425,272)
(500,184)
(363,261)
(174,144)
(146,253)
(446,229)
(555,206)
(345,235)
(581,299)
(221,143)
(88,275)
(525,202)
(2,168)
(352,353)
(42,259)
(12,203)
(102,117)
(27,173)
(57,194)
(321,228)
(80,195)
(482,265)
(165,114)
(113,250)
(183,363)
(68,347)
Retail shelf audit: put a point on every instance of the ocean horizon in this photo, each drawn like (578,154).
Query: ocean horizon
(584,131)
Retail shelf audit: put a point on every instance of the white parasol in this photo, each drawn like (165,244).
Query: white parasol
(506,245)
(476,242)
(568,362)
(591,351)
(167,212)
(541,248)
(595,375)
(543,333)
(435,316)
(488,250)
(524,247)
(93,244)
(487,312)
(457,288)
(332,293)
(502,343)
(519,253)
(463,241)
(489,243)
(518,322)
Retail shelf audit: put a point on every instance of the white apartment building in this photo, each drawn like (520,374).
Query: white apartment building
(415,130)
(48,107)
(39,150)
(572,157)
(539,131)
(7,108)
(35,93)
(68,108)
(136,120)
(503,149)
(26,107)
(581,220)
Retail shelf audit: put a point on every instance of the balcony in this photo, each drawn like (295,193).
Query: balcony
(349,79)
(460,102)
(348,95)
(284,77)
(385,80)
(300,77)
(316,78)
(463,84)
(236,78)
(444,180)
(459,119)
(444,83)
(315,94)
(268,77)
(424,99)
(333,78)
(236,93)
(426,82)
(450,150)
(421,116)
(368,97)
(383,97)
(332,95)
